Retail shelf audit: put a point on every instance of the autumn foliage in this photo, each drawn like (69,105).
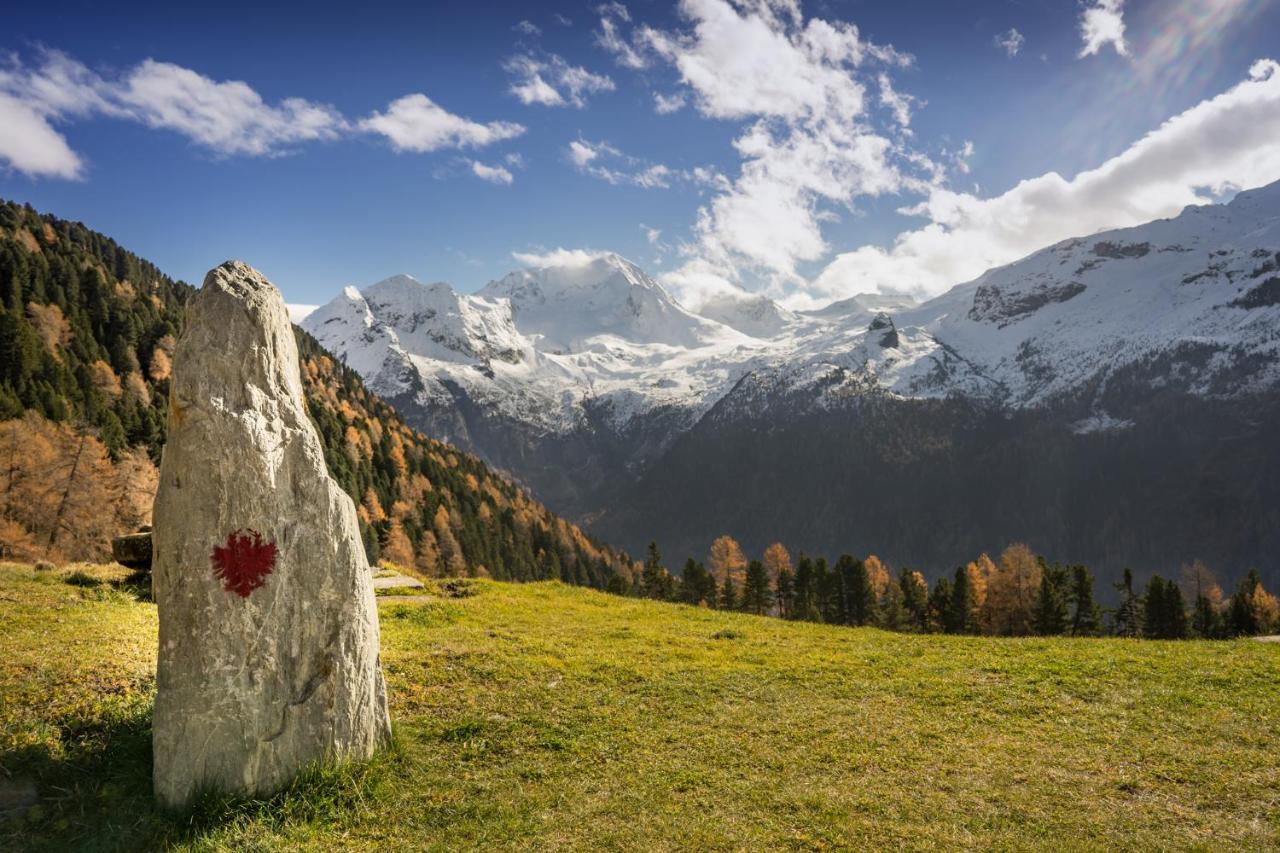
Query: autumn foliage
(87,336)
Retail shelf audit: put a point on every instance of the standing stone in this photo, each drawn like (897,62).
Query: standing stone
(268,624)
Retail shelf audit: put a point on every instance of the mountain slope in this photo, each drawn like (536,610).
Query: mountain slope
(86,329)
(1107,335)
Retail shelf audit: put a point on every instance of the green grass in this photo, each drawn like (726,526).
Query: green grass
(545,716)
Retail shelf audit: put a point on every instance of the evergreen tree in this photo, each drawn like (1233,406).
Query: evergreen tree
(806,595)
(1206,623)
(831,605)
(1164,611)
(915,599)
(1244,617)
(1153,608)
(651,578)
(893,616)
(617,584)
(1128,616)
(757,597)
(728,595)
(1175,613)
(694,588)
(859,595)
(939,605)
(1086,617)
(1207,605)
(1051,601)
(784,593)
(960,617)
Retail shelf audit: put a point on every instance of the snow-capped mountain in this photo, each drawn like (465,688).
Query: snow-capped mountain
(580,378)
(537,345)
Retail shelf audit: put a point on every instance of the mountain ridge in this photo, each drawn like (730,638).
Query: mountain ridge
(1085,333)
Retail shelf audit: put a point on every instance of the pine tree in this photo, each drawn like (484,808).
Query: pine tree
(1175,612)
(617,584)
(784,593)
(1207,603)
(831,603)
(1253,610)
(806,595)
(757,597)
(1164,611)
(1086,617)
(959,616)
(859,596)
(939,605)
(915,599)
(694,585)
(1153,608)
(1206,622)
(1128,616)
(728,595)
(652,584)
(893,616)
(1051,601)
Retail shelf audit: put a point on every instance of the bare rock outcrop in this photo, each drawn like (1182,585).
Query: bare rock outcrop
(268,625)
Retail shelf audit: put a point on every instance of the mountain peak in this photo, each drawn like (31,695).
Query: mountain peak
(578,297)
(752,314)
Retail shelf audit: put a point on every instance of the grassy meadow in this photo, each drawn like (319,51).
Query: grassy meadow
(543,716)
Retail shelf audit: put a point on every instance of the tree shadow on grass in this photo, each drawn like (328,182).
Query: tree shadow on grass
(95,794)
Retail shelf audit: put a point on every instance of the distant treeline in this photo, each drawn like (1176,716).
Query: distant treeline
(1020,594)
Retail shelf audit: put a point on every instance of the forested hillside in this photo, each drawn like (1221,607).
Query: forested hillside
(87,331)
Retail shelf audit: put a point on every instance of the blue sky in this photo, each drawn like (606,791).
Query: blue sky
(791,153)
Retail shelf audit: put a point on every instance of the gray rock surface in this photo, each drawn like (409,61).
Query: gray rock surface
(133,550)
(268,625)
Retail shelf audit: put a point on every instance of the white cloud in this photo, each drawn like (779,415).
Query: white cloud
(558,258)
(1010,42)
(492,174)
(1226,142)
(612,17)
(1101,24)
(581,153)
(225,117)
(553,82)
(698,281)
(29,144)
(602,160)
(664,104)
(528,28)
(809,145)
(653,235)
(898,103)
(416,123)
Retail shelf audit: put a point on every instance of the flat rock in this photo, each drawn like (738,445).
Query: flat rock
(268,625)
(396,582)
(133,550)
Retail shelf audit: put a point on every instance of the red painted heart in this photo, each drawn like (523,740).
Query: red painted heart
(244,562)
